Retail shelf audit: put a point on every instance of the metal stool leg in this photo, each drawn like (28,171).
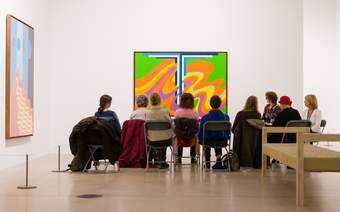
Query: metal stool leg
(148,158)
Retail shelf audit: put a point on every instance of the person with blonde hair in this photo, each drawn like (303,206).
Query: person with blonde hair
(312,113)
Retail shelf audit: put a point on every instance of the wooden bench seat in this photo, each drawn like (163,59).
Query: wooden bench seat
(301,156)
(316,159)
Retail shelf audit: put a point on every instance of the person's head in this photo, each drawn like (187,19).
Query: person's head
(187,101)
(285,102)
(251,104)
(271,97)
(104,102)
(142,101)
(155,99)
(215,102)
(311,102)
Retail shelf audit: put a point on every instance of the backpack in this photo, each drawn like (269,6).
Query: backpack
(231,160)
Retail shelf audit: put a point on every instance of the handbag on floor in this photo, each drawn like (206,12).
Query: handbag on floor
(231,160)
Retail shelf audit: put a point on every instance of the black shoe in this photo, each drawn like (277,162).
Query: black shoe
(219,165)
(179,160)
(193,160)
(207,165)
(163,166)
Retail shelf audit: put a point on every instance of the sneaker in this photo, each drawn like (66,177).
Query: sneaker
(219,165)
(163,166)
(193,160)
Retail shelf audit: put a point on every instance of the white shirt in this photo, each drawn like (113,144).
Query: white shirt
(315,118)
(140,113)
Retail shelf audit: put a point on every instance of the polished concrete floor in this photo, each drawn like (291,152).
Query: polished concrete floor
(187,189)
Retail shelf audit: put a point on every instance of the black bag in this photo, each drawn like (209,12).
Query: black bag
(231,160)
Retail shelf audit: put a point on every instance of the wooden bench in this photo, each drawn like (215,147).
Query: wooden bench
(301,155)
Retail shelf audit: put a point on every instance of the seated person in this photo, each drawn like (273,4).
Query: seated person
(272,109)
(287,114)
(250,111)
(246,138)
(186,110)
(215,114)
(157,113)
(93,131)
(312,113)
(104,112)
(142,104)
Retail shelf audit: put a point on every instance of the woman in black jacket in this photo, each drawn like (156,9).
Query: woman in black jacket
(250,111)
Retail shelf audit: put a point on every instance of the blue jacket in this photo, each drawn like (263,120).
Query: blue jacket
(213,115)
(110,116)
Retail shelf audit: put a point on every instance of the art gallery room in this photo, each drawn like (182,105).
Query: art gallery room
(169,105)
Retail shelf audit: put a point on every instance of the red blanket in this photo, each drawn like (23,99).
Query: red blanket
(133,153)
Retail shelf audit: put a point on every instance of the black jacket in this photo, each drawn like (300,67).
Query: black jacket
(95,131)
(247,144)
(285,116)
(281,120)
(186,128)
(244,116)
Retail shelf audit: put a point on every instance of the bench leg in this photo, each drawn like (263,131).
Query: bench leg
(300,187)
(300,171)
(264,165)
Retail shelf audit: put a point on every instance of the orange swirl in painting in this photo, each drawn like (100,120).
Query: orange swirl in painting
(162,79)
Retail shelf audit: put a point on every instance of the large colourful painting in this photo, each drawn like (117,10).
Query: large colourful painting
(19,78)
(170,74)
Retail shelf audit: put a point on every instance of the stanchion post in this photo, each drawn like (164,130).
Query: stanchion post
(59,162)
(26,186)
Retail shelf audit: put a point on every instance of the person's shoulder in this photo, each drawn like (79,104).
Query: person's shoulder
(205,117)
(318,111)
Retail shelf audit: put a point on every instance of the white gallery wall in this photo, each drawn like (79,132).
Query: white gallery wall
(34,12)
(84,48)
(322,57)
(91,46)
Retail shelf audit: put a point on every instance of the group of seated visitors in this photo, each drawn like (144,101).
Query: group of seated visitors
(276,113)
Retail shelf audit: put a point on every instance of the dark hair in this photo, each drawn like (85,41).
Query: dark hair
(271,96)
(215,102)
(155,99)
(251,104)
(142,101)
(187,101)
(104,100)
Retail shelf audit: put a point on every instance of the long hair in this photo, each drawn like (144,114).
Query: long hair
(104,100)
(312,101)
(251,104)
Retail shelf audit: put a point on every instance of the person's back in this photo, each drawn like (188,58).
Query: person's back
(142,104)
(213,115)
(106,114)
(244,116)
(214,138)
(157,113)
(286,115)
(186,123)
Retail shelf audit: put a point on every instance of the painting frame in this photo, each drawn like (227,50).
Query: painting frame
(8,133)
(185,52)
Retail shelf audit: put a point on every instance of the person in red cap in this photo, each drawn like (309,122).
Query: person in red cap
(287,114)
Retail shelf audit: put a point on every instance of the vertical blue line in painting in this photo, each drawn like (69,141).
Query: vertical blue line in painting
(13,52)
(26,56)
(179,83)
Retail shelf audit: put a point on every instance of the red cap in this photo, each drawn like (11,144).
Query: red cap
(285,100)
